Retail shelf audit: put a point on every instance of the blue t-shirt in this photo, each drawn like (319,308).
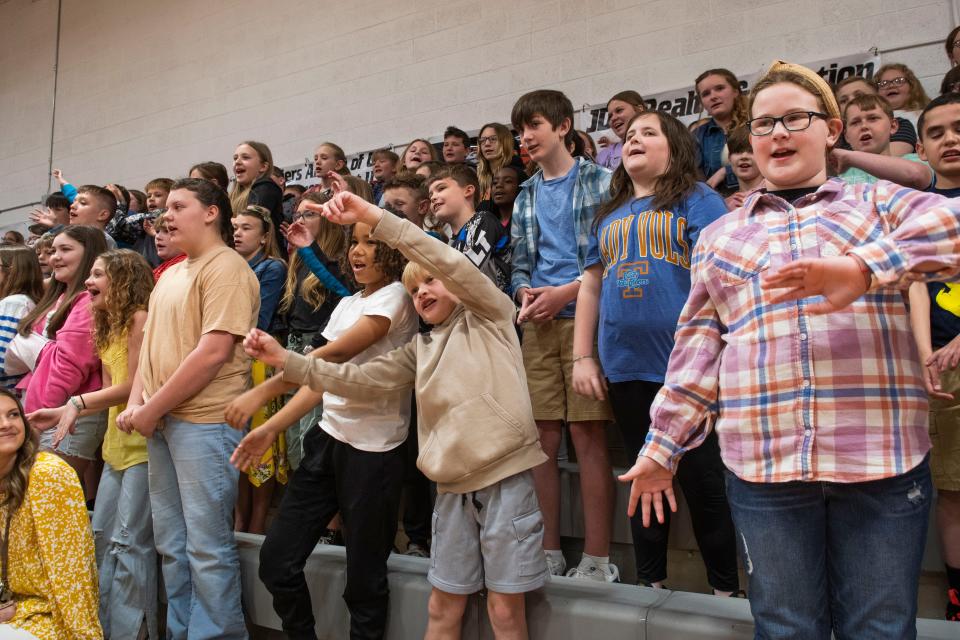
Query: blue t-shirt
(944,299)
(646,255)
(556,262)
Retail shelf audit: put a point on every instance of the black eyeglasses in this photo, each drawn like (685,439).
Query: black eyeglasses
(795,121)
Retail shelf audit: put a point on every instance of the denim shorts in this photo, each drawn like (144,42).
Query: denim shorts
(83,442)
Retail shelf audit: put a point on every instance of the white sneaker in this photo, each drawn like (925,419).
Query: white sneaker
(588,570)
(556,565)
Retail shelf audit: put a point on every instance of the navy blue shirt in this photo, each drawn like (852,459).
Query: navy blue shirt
(944,299)
(646,255)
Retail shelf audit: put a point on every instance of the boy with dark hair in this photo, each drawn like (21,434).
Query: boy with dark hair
(744,166)
(935,317)
(456,145)
(550,232)
(476,429)
(384,168)
(476,234)
(406,196)
(504,191)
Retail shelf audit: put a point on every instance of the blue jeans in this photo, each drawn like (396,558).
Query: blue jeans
(825,556)
(193,490)
(127,560)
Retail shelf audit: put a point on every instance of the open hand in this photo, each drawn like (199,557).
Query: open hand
(298,235)
(43,217)
(839,280)
(251,449)
(651,482)
(43,419)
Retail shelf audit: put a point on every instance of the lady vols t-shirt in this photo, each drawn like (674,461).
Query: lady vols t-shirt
(378,422)
(645,254)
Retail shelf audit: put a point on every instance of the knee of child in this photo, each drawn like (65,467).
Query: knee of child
(446,607)
(506,610)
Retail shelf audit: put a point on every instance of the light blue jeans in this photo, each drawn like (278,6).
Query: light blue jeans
(123,535)
(193,490)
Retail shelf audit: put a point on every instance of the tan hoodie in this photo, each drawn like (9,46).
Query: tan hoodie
(475,422)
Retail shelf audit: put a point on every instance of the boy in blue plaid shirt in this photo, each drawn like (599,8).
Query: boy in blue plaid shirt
(552,217)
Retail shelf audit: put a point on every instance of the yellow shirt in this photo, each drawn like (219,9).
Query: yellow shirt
(120,450)
(52,571)
(215,292)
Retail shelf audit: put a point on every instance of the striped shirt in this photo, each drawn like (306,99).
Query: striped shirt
(795,396)
(12,310)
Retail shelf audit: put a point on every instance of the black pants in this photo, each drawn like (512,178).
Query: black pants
(418,491)
(701,477)
(365,488)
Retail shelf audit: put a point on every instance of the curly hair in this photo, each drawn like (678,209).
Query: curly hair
(131,282)
(388,259)
(14,485)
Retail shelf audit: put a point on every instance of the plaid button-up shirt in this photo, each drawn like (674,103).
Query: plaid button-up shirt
(795,396)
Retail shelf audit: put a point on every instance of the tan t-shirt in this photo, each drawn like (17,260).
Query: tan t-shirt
(216,292)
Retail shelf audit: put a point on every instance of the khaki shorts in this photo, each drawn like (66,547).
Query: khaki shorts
(945,435)
(548,360)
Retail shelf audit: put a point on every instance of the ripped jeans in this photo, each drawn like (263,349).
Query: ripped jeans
(127,560)
(828,556)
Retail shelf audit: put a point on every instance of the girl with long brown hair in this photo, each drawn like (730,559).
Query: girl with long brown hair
(68,364)
(21,286)
(253,171)
(631,300)
(119,284)
(720,94)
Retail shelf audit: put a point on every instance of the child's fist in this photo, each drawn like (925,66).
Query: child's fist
(262,346)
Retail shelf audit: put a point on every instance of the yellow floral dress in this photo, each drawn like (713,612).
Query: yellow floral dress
(52,571)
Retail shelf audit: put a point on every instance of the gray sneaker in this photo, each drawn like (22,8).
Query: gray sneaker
(417,551)
(556,565)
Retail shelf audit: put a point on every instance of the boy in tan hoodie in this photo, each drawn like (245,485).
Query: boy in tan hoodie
(478,438)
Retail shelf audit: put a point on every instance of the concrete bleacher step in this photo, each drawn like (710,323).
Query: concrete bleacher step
(565,609)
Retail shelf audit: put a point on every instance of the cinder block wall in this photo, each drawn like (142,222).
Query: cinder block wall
(147,88)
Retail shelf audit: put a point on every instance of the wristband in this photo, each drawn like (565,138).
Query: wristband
(578,358)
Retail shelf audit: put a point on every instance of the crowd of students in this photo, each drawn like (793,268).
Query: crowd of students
(170,356)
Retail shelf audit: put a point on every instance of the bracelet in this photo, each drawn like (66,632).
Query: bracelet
(82,401)
(865,270)
(76,404)
(582,357)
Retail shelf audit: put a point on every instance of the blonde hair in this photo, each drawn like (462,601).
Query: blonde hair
(403,156)
(240,195)
(487,169)
(332,242)
(262,214)
(413,275)
(339,154)
(917,99)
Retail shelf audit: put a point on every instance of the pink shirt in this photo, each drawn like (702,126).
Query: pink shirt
(68,364)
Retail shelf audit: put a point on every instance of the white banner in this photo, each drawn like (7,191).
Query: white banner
(685,104)
(682,103)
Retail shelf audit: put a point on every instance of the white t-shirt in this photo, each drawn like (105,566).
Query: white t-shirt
(379,422)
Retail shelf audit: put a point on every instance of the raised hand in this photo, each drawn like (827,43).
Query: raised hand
(264,347)
(298,235)
(347,208)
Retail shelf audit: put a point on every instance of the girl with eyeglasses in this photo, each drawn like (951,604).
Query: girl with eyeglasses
(900,86)
(819,404)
